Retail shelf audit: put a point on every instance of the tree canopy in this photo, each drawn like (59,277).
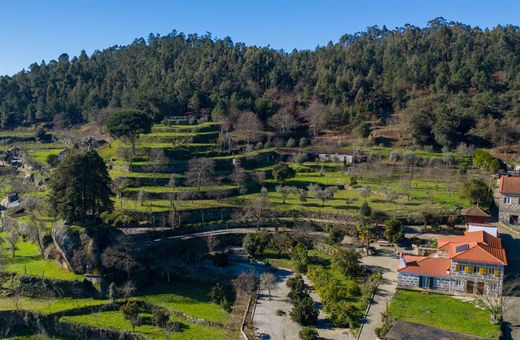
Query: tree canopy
(80,187)
(446,83)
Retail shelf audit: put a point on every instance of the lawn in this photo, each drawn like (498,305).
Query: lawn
(188,297)
(47,305)
(442,311)
(165,205)
(115,320)
(28,261)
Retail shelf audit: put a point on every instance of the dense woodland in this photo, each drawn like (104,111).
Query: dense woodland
(443,85)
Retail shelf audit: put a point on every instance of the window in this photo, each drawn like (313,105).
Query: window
(518,201)
(457,268)
(483,270)
(458,283)
(507,200)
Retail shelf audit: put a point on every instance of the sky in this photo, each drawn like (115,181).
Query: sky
(32,31)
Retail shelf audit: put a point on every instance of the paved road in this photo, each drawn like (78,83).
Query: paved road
(383,294)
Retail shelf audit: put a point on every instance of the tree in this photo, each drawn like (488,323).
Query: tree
(393,230)
(141,196)
(284,192)
(217,294)
(131,311)
(121,256)
(299,258)
(268,282)
(12,241)
(257,209)
(316,115)
(364,226)
(336,234)
(80,187)
(364,192)
(302,195)
(130,124)
(201,171)
(283,121)
(477,192)
(303,312)
(249,127)
(283,172)
(160,317)
(255,243)
(348,262)
(112,293)
(309,333)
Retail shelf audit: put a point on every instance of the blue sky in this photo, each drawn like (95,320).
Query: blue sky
(34,30)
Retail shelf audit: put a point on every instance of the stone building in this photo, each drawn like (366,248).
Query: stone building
(508,200)
(469,264)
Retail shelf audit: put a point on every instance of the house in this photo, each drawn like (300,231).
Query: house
(508,200)
(469,264)
(11,201)
(336,157)
(474,215)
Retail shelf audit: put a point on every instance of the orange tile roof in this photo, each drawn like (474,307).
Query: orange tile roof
(482,248)
(510,185)
(432,266)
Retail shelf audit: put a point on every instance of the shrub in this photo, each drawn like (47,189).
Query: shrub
(309,333)
(303,142)
(291,143)
(52,160)
(348,262)
(160,317)
(303,312)
(255,243)
(299,258)
(336,234)
(280,312)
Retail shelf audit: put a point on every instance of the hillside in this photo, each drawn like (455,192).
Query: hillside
(436,86)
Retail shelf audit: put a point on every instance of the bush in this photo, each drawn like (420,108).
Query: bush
(303,312)
(255,243)
(52,160)
(291,143)
(280,312)
(160,318)
(303,142)
(336,234)
(309,333)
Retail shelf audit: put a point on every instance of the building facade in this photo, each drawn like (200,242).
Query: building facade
(469,264)
(508,200)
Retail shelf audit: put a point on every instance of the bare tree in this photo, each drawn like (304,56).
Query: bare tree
(201,171)
(12,240)
(249,127)
(159,161)
(121,255)
(316,115)
(127,290)
(268,282)
(498,304)
(212,243)
(141,196)
(283,121)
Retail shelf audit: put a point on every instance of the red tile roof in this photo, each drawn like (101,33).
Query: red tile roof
(431,266)
(510,185)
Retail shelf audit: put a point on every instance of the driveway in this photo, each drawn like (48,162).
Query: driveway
(271,326)
(383,295)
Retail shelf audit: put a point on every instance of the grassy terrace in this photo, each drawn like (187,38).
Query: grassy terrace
(186,127)
(188,297)
(48,305)
(29,261)
(115,320)
(165,205)
(163,189)
(442,312)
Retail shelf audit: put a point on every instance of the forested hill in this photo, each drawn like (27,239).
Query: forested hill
(445,83)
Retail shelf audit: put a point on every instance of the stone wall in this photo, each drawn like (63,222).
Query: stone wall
(404,280)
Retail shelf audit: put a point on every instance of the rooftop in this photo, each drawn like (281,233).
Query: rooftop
(510,185)
(474,212)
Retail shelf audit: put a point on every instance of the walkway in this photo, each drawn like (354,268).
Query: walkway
(383,294)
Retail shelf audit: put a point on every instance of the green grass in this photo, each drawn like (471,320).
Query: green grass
(28,261)
(165,189)
(165,205)
(116,320)
(188,297)
(47,305)
(40,156)
(442,311)
(7,134)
